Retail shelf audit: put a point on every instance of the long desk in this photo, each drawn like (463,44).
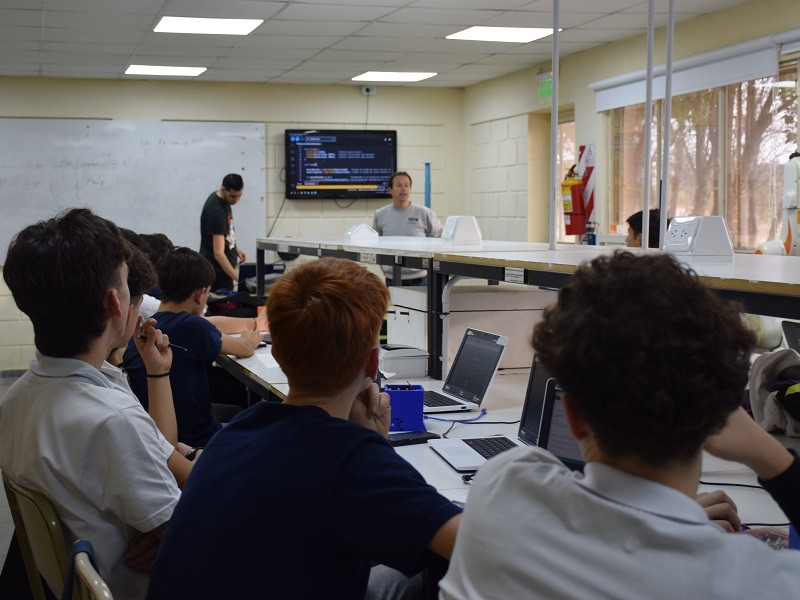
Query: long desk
(504,403)
(396,252)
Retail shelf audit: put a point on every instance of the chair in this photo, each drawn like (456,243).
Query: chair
(41,539)
(89,582)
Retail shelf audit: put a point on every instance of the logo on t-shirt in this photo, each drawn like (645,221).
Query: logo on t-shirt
(413,220)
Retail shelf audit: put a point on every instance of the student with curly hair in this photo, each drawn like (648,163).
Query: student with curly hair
(652,365)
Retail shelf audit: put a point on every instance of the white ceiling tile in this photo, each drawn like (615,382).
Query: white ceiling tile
(310,42)
(130,7)
(324,12)
(274,53)
(381,29)
(97,21)
(469,4)
(90,47)
(20,18)
(309,27)
(520,18)
(19,33)
(192,41)
(177,51)
(595,6)
(77,35)
(83,58)
(441,17)
(336,55)
(230,9)
(374,44)
(17,45)
(267,64)
(465,46)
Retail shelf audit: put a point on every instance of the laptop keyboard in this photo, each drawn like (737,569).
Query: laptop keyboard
(491,446)
(432,398)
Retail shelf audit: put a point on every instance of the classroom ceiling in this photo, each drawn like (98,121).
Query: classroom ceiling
(310,41)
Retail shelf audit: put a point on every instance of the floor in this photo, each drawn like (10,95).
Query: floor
(6,525)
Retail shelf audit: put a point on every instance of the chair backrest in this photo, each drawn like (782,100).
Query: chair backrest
(89,581)
(41,539)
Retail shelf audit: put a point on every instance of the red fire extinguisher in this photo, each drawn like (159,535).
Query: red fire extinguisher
(572,196)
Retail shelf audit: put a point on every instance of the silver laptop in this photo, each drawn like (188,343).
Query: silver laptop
(470,376)
(469,454)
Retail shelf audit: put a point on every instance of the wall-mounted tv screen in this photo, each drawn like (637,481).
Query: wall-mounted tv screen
(339,163)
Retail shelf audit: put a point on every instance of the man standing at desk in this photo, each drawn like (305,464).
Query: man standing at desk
(401,217)
(218,235)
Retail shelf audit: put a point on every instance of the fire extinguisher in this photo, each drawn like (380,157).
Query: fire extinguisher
(572,197)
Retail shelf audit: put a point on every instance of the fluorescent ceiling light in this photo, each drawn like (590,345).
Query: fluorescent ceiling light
(164,71)
(207,26)
(392,76)
(519,35)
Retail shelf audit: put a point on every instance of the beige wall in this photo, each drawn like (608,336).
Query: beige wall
(474,138)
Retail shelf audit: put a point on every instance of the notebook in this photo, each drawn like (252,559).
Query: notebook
(471,374)
(469,454)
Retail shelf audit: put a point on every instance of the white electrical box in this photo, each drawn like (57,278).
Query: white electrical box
(462,231)
(705,238)
(361,233)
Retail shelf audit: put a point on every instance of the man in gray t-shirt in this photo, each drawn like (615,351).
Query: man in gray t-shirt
(404,218)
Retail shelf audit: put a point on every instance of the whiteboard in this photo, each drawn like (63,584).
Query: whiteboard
(148,176)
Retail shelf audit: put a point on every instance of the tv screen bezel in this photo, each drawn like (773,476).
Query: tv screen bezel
(335,194)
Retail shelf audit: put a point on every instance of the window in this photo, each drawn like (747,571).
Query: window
(567,156)
(746,130)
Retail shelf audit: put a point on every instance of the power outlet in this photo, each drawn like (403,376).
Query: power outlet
(368,90)
(701,237)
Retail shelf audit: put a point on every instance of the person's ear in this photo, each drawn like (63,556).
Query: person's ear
(113,305)
(373,359)
(577,425)
(200,295)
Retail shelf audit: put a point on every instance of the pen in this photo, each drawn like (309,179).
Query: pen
(171,345)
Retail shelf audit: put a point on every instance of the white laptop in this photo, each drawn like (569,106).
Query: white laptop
(471,374)
(469,454)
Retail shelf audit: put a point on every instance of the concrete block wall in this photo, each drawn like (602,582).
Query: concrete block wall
(499,168)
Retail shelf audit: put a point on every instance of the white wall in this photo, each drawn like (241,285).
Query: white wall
(474,138)
(428,121)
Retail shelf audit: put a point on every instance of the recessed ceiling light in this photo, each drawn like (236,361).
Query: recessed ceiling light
(207,26)
(519,35)
(164,71)
(392,76)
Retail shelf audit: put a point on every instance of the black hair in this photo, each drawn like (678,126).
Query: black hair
(654,215)
(233,182)
(158,244)
(650,357)
(181,273)
(59,272)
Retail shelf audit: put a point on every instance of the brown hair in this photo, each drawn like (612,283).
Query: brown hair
(324,318)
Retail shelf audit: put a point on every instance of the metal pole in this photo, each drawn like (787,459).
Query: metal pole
(648,133)
(554,178)
(664,198)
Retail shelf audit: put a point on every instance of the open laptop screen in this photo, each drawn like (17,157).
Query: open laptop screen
(474,365)
(534,403)
(554,433)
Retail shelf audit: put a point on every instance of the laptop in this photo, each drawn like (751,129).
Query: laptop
(468,454)
(791,331)
(471,374)
(554,433)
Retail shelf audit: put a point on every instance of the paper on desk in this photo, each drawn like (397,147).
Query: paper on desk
(712,464)
(267,359)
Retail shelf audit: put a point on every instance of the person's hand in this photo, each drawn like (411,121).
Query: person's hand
(743,440)
(242,255)
(371,408)
(142,552)
(251,338)
(720,509)
(153,346)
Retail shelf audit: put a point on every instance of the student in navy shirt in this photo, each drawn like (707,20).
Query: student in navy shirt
(185,279)
(298,500)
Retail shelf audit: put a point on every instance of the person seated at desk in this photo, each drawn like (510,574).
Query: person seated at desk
(401,217)
(635,228)
(185,279)
(312,491)
(70,427)
(642,396)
